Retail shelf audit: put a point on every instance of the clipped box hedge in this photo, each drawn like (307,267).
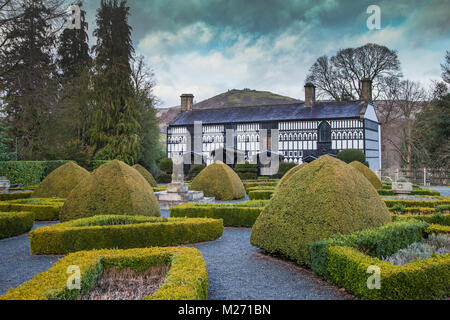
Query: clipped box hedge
(417,211)
(15,223)
(437,228)
(442,219)
(123,232)
(417,203)
(233,215)
(260,194)
(15,196)
(28,172)
(254,184)
(344,261)
(187,278)
(45,209)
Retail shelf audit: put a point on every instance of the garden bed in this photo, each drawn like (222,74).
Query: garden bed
(15,223)
(241,214)
(187,278)
(345,260)
(123,232)
(45,209)
(261,194)
(14,196)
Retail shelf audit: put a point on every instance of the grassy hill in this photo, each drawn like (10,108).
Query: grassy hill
(231,98)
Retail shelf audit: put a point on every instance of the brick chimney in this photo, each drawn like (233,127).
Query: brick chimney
(310,94)
(187,101)
(366,90)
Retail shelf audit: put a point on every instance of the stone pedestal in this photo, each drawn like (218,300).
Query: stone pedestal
(4,185)
(402,187)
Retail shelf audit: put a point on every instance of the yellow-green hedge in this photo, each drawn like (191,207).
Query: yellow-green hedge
(442,219)
(417,203)
(187,278)
(232,215)
(344,260)
(415,210)
(45,209)
(15,223)
(14,196)
(437,228)
(122,232)
(249,185)
(260,194)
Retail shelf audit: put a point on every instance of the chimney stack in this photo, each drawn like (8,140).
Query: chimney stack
(187,101)
(310,94)
(366,90)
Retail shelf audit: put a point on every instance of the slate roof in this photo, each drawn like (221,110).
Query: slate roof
(296,111)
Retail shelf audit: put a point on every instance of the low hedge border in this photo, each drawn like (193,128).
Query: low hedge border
(15,223)
(344,260)
(187,278)
(45,209)
(260,194)
(417,211)
(442,219)
(158,189)
(232,216)
(437,228)
(122,232)
(417,192)
(14,196)
(417,203)
(249,185)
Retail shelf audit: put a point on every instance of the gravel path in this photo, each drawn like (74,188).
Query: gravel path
(239,271)
(236,269)
(17,265)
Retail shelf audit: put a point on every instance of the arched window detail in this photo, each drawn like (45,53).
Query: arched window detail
(324,132)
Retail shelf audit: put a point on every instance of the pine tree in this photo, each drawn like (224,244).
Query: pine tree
(5,144)
(28,77)
(115,127)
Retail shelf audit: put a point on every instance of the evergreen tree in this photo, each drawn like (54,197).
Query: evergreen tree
(5,144)
(28,77)
(115,127)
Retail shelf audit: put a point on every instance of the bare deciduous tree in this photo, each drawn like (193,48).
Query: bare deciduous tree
(339,77)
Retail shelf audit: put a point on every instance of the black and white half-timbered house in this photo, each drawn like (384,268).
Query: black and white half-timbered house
(306,130)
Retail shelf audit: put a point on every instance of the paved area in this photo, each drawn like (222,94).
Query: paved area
(445,191)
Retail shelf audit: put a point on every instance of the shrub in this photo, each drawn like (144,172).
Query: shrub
(166,165)
(232,216)
(61,181)
(443,208)
(344,260)
(284,167)
(324,198)
(187,278)
(386,192)
(15,223)
(290,173)
(376,242)
(437,218)
(147,175)
(369,174)
(350,155)
(246,171)
(14,196)
(249,185)
(164,178)
(403,210)
(113,188)
(122,232)
(220,181)
(195,170)
(436,228)
(260,194)
(28,172)
(43,209)
(415,203)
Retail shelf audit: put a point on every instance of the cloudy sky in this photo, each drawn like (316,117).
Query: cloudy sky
(206,47)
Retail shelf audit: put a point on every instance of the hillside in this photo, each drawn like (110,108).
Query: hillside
(231,98)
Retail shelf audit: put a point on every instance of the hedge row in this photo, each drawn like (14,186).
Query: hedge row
(417,192)
(249,185)
(122,232)
(416,203)
(44,209)
(437,228)
(15,223)
(232,215)
(187,278)
(246,171)
(344,261)
(28,172)
(260,194)
(442,219)
(418,210)
(15,196)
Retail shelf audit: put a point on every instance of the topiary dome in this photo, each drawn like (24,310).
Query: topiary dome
(290,173)
(220,181)
(325,197)
(369,174)
(147,175)
(61,181)
(113,188)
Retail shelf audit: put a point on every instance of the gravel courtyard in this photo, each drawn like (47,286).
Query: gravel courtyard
(236,269)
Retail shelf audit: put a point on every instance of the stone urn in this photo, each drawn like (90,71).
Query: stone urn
(400,187)
(4,185)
